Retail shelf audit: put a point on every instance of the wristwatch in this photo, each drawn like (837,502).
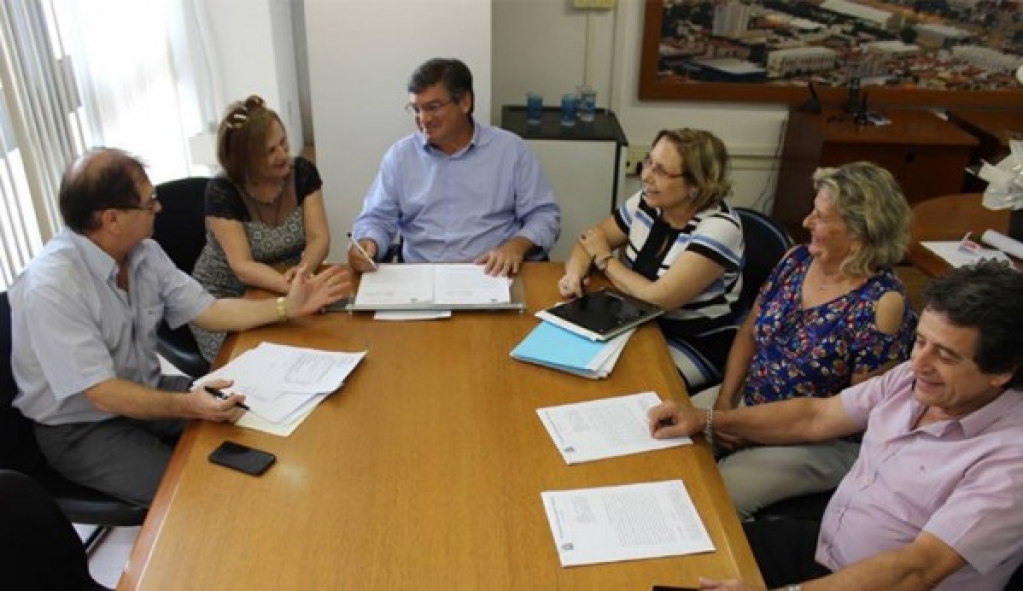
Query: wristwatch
(601,263)
(794,588)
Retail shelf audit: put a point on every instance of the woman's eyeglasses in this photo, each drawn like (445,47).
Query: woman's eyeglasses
(659,171)
(239,116)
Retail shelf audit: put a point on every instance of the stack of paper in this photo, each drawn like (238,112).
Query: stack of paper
(283,384)
(557,348)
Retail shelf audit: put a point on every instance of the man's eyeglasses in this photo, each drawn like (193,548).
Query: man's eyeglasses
(659,171)
(431,108)
(239,116)
(149,205)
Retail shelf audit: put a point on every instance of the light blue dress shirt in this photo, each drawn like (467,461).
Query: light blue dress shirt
(452,209)
(73,327)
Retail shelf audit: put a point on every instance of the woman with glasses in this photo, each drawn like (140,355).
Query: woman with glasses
(832,314)
(682,249)
(265,212)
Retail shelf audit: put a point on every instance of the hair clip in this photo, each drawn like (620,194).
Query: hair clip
(239,116)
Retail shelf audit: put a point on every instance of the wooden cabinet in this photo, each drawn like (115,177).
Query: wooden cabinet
(925,153)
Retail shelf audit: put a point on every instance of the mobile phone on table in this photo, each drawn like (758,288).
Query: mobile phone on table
(242,458)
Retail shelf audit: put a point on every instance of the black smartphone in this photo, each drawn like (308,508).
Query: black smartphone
(242,458)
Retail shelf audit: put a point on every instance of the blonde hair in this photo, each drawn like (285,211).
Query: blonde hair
(705,163)
(874,211)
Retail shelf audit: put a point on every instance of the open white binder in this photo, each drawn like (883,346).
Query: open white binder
(436,287)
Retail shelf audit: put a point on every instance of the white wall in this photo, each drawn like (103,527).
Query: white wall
(361,53)
(254,43)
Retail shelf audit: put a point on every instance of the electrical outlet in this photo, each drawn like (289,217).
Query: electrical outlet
(634,159)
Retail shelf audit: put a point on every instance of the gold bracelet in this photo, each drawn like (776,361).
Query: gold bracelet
(708,426)
(282,309)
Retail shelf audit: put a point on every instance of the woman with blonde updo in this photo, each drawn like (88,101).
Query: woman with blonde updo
(265,215)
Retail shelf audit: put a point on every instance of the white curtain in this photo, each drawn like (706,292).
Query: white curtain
(144,77)
(132,74)
(39,131)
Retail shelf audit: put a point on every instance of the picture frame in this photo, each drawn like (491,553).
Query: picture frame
(660,79)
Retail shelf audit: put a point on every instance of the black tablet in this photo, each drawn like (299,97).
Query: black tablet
(601,315)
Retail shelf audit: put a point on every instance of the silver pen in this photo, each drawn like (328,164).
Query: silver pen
(362,251)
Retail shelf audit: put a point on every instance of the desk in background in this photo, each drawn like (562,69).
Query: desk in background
(950,218)
(927,155)
(424,472)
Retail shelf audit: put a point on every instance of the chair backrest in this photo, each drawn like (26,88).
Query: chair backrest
(180,227)
(41,549)
(18,448)
(766,242)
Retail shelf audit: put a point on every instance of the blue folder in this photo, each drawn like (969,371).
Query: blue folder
(557,348)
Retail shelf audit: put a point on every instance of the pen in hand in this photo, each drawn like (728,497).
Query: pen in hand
(220,394)
(362,251)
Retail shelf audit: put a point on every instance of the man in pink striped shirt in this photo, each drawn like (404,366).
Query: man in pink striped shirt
(935,499)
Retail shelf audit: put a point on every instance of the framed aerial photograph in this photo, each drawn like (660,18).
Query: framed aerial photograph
(925,53)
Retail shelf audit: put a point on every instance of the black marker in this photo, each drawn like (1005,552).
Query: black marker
(220,394)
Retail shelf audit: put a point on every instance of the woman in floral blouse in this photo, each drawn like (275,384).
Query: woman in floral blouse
(832,314)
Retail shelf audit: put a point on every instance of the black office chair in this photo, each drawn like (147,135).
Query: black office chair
(180,228)
(809,507)
(41,549)
(1016,581)
(19,451)
(766,242)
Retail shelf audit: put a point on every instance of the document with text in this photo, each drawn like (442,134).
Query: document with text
(627,522)
(396,284)
(282,383)
(606,428)
(468,284)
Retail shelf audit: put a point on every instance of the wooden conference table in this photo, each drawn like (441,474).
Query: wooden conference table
(423,472)
(950,218)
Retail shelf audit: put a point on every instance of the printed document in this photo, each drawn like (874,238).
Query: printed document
(281,383)
(468,284)
(396,284)
(628,522)
(964,252)
(607,428)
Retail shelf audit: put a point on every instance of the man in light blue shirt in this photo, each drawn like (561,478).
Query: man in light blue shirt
(456,191)
(84,316)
